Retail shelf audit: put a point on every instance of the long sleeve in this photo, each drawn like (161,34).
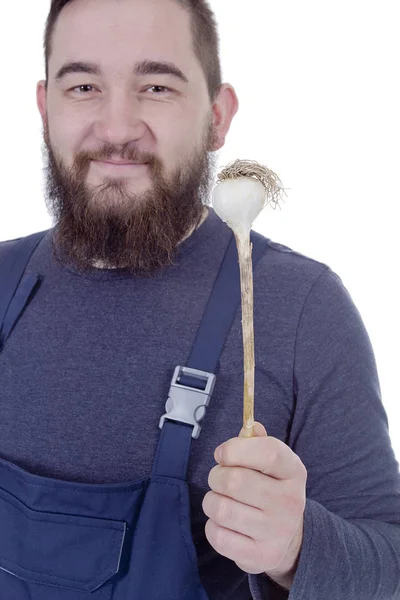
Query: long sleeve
(351,543)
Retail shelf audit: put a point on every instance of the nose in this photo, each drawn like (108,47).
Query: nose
(119,119)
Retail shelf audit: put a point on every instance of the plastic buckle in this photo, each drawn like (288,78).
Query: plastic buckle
(186,404)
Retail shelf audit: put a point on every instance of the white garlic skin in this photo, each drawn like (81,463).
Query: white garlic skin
(238,202)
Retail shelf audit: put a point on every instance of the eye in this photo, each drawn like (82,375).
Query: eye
(84,89)
(159,87)
(79,87)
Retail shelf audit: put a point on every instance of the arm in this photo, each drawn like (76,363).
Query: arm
(351,539)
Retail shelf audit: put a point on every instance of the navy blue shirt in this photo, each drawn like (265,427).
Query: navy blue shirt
(86,372)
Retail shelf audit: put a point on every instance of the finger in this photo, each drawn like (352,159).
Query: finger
(233,515)
(259,430)
(245,485)
(265,454)
(233,545)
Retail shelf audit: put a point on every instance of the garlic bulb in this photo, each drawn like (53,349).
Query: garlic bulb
(243,189)
(238,202)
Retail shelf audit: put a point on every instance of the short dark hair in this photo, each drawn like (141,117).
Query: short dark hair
(204,31)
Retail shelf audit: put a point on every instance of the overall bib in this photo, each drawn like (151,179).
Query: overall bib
(61,540)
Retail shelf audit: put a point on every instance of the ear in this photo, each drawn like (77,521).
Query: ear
(224,109)
(41,100)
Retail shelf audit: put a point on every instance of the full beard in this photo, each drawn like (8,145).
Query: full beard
(116,228)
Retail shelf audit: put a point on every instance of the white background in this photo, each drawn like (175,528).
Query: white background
(319,104)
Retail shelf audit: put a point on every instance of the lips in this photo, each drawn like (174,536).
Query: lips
(112,162)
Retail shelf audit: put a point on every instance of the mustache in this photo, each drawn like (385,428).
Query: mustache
(109,152)
(128,153)
(83,159)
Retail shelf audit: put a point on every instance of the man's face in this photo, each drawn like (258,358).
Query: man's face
(129,216)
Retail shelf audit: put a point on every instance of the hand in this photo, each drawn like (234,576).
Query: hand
(256,506)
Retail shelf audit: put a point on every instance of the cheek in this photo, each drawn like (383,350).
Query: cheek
(66,128)
(62,137)
(67,136)
(178,141)
(64,144)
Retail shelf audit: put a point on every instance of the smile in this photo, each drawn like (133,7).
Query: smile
(127,168)
(113,164)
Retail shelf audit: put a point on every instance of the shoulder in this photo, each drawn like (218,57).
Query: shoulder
(29,242)
(323,297)
(6,245)
(288,269)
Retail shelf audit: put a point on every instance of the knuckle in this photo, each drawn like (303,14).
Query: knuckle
(224,511)
(273,454)
(205,504)
(234,481)
(220,541)
(226,453)
(210,505)
(215,536)
(212,476)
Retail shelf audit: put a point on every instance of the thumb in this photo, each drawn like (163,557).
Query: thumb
(259,430)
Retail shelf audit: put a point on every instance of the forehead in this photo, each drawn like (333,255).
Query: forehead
(120,32)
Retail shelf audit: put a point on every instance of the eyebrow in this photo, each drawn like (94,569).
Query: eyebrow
(145,67)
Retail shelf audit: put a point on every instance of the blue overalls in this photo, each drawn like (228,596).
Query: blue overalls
(62,540)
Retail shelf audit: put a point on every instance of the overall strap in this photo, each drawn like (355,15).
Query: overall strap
(192,386)
(16,287)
